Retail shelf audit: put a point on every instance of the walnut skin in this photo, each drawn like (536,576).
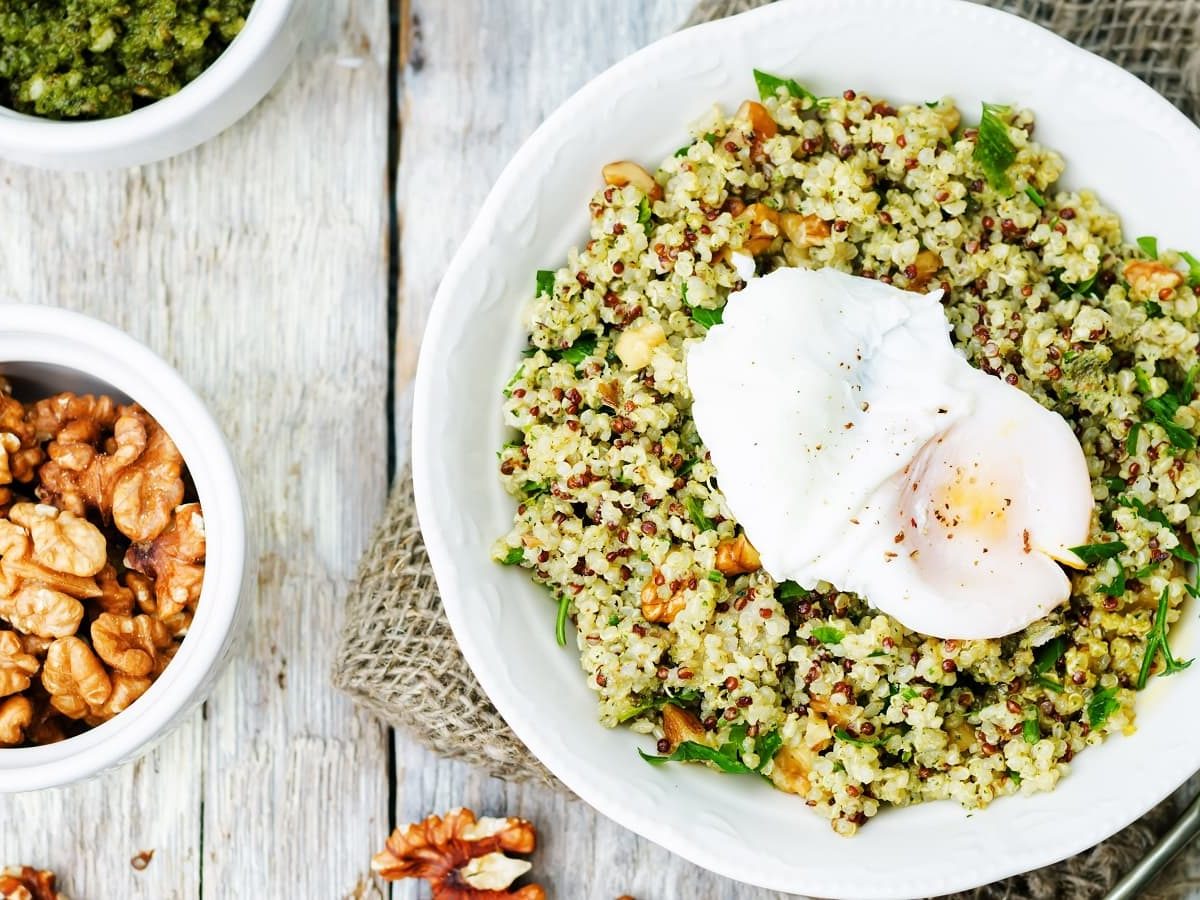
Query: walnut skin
(17,667)
(28,883)
(75,678)
(175,560)
(462,858)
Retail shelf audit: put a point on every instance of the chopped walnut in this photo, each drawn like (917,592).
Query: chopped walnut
(756,116)
(791,767)
(622,173)
(73,418)
(135,484)
(681,725)
(462,858)
(75,679)
(804,231)
(28,883)
(1147,278)
(635,346)
(129,644)
(16,714)
(655,607)
(17,667)
(764,227)
(737,556)
(926,265)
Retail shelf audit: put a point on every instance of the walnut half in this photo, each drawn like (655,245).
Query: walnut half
(28,883)
(461,857)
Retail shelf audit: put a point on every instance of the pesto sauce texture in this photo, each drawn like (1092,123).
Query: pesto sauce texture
(94,59)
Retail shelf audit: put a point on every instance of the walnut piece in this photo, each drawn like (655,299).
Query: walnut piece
(462,858)
(125,689)
(75,679)
(804,231)
(175,560)
(1148,278)
(17,667)
(62,541)
(624,172)
(681,725)
(129,644)
(28,883)
(764,227)
(756,116)
(135,484)
(655,607)
(16,714)
(43,611)
(737,556)
(72,418)
(20,454)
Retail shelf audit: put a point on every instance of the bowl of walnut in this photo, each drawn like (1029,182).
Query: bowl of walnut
(122,548)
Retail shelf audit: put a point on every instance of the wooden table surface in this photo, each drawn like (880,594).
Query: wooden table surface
(261,266)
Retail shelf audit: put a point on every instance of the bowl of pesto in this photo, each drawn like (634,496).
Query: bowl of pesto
(99,84)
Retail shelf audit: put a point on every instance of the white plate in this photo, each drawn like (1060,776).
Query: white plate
(1118,137)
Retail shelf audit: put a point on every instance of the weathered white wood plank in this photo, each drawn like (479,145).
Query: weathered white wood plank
(480,76)
(255,265)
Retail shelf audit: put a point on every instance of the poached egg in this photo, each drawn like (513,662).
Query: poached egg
(856,446)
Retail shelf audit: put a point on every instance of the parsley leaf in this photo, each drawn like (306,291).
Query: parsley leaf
(1153,310)
(1102,705)
(579,351)
(690,751)
(1034,195)
(532,489)
(1193,268)
(994,149)
(843,735)
(1163,408)
(513,556)
(695,509)
(1031,730)
(1115,588)
(715,577)
(1156,640)
(516,376)
(769,86)
(1047,656)
(645,214)
(707,318)
(1049,684)
(789,590)
(766,746)
(1094,553)
(1149,246)
(686,697)
(827,634)
(560,624)
(683,151)
(545,282)
(1131,441)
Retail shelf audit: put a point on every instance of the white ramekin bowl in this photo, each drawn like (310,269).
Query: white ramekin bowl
(45,350)
(206,106)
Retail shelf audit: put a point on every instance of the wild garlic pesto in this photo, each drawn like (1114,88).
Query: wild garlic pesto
(95,59)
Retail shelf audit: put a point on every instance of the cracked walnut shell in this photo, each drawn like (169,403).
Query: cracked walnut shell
(461,857)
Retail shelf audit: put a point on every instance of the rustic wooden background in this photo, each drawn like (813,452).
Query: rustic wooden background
(270,267)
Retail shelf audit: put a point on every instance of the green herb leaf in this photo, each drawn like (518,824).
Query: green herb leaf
(1131,440)
(560,624)
(513,556)
(715,577)
(843,735)
(1031,730)
(1193,268)
(1046,657)
(579,351)
(875,653)
(1164,407)
(686,697)
(695,509)
(1049,684)
(1153,310)
(789,590)
(1115,484)
(770,85)
(1116,587)
(766,746)
(645,214)
(1182,552)
(1102,705)
(690,751)
(1150,515)
(1035,196)
(1094,553)
(994,149)
(1015,776)
(614,619)
(1149,246)
(1156,640)
(532,489)
(827,634)
(683,151)
(909,693)
(516,376)
(545,282)
(707,318)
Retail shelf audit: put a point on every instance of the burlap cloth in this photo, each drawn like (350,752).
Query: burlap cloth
(399,659)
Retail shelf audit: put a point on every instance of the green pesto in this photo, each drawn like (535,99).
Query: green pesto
(94,59)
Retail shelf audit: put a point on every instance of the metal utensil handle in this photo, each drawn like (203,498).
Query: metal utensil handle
(1139,877)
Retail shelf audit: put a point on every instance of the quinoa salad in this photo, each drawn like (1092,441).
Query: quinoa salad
(682,635)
